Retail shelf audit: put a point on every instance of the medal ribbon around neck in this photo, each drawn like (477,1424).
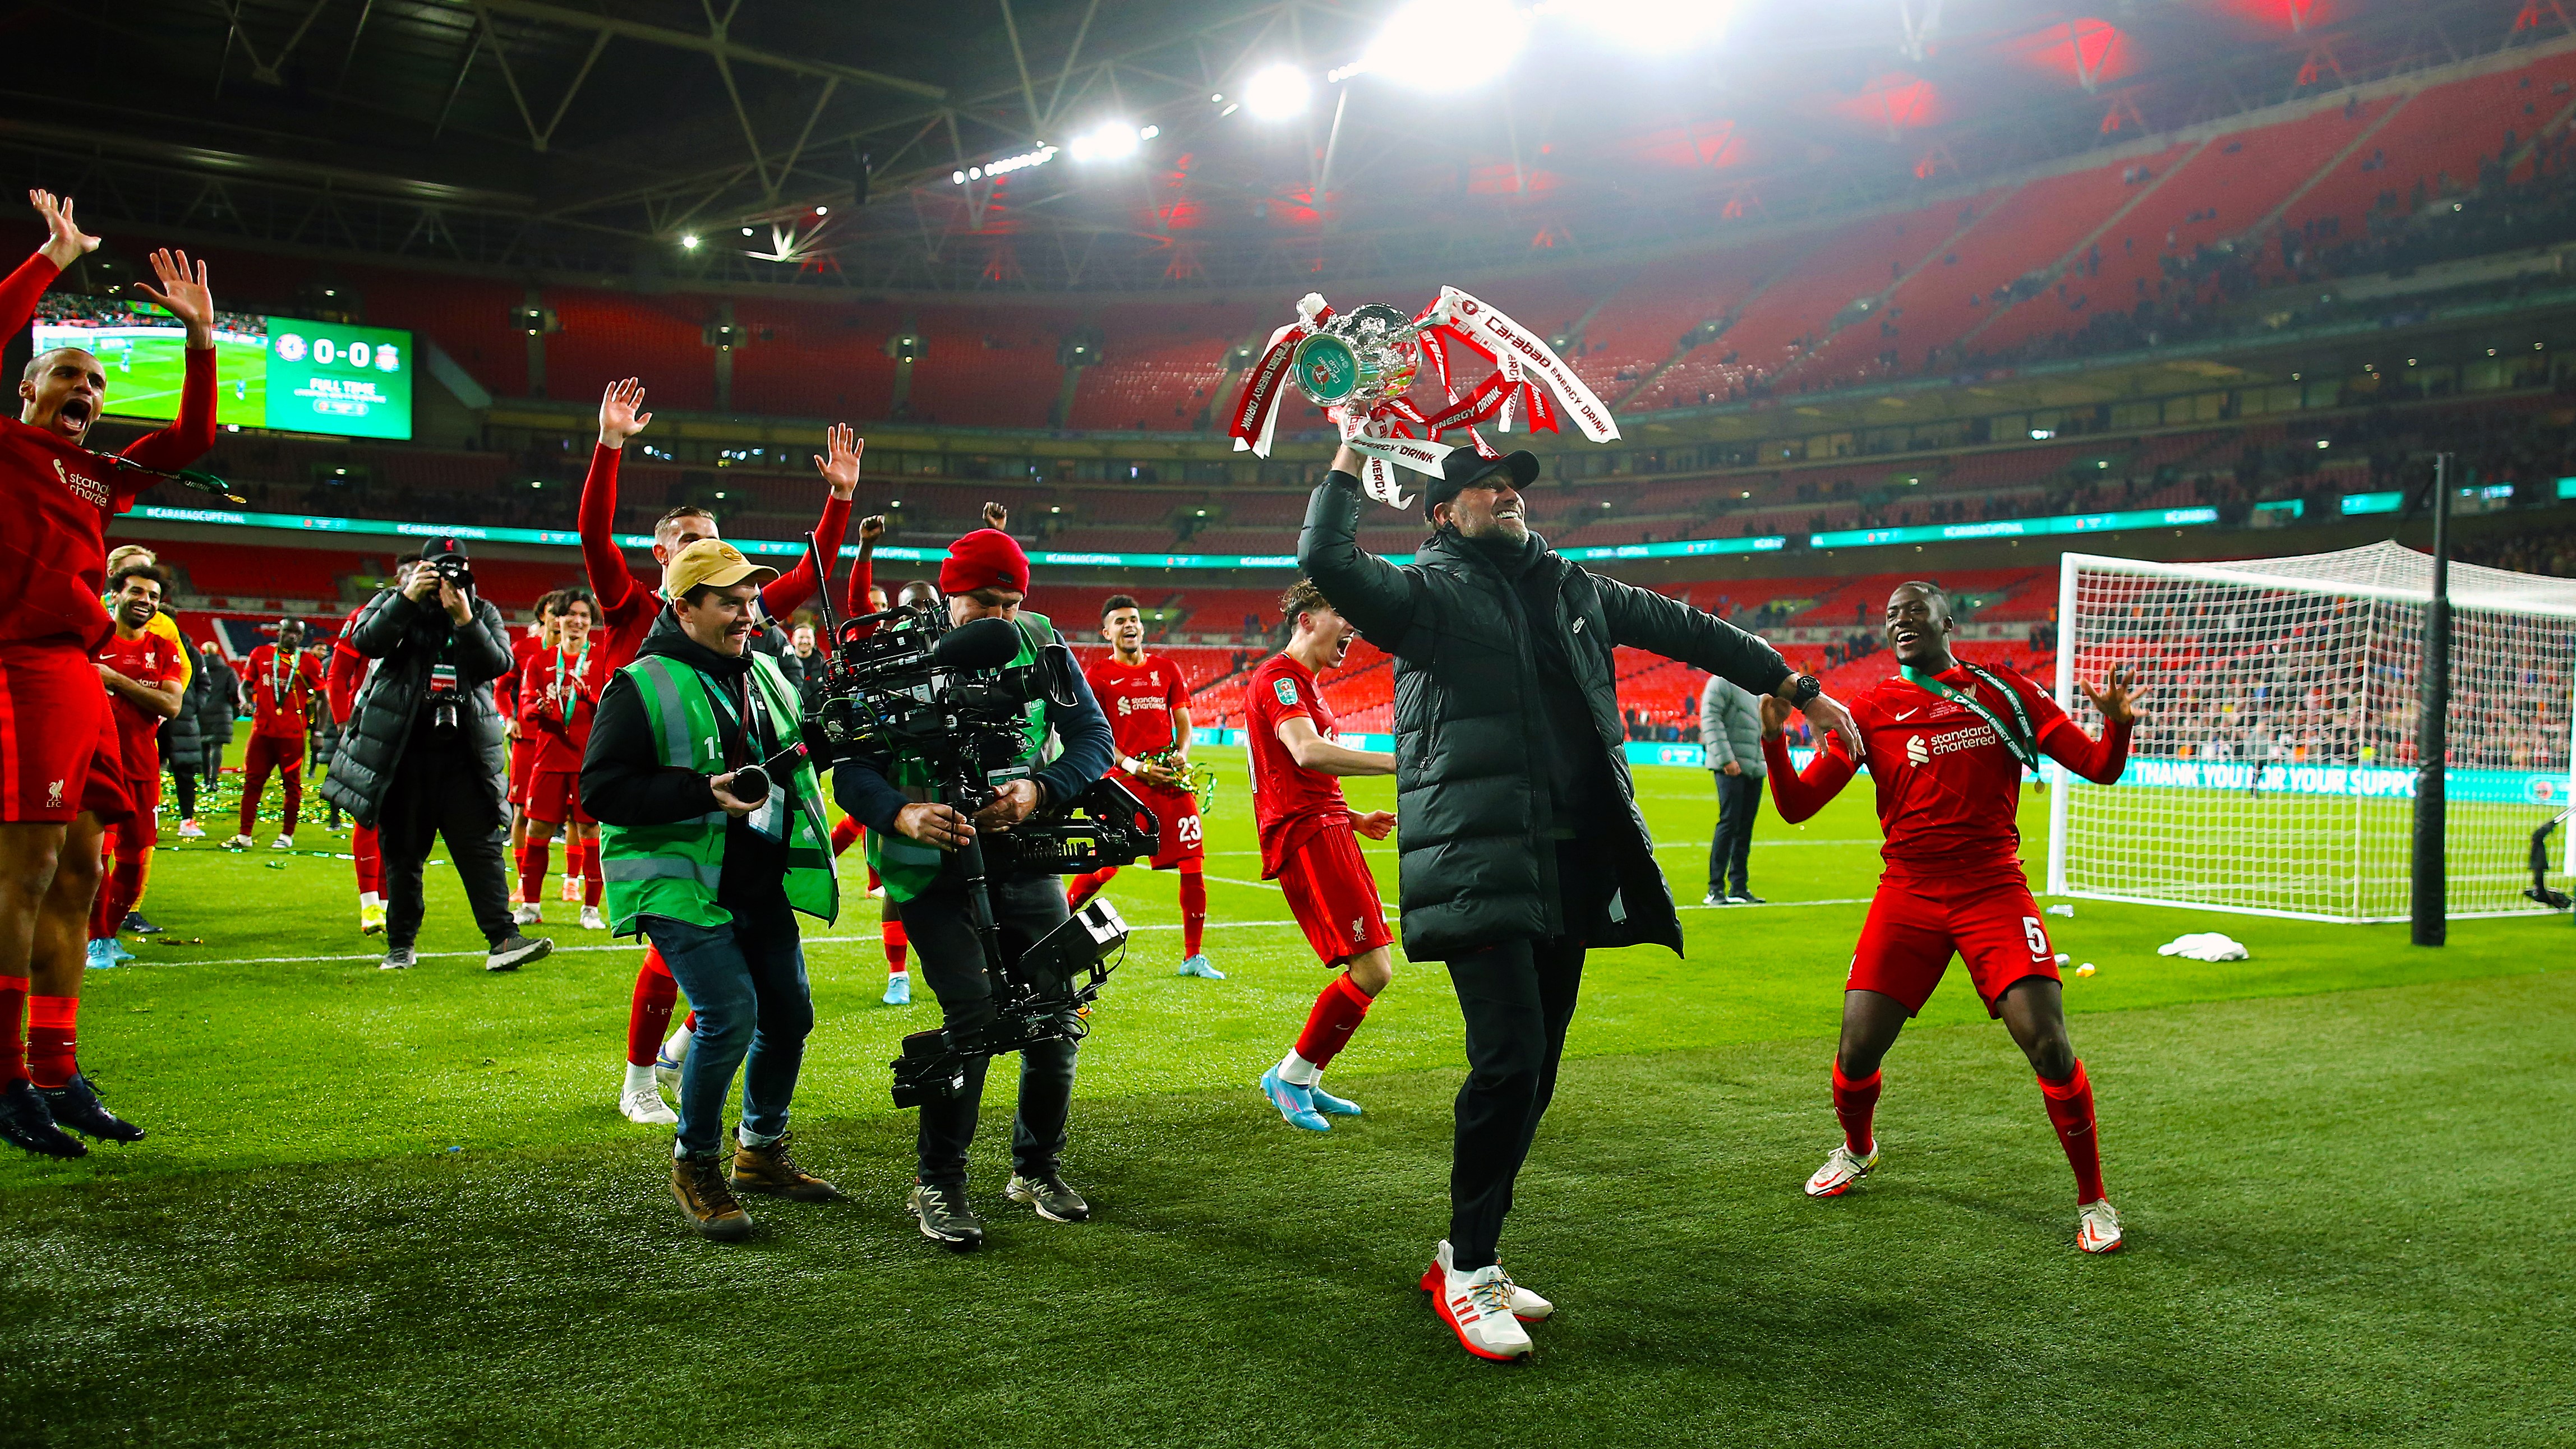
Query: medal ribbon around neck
(2019,743)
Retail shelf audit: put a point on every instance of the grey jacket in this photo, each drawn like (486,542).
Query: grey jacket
(1476,846)
(1730,725)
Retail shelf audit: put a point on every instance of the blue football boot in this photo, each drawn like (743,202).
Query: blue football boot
(1293,1102)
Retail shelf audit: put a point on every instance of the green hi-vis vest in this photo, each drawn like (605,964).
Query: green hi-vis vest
(673,870)
(905,865)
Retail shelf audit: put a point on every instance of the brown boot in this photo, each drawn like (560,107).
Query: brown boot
(699,1184)
(769,1169)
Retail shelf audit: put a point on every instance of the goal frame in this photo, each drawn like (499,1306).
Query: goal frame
(2250,573)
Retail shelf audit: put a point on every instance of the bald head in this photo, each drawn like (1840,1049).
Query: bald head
(61,392)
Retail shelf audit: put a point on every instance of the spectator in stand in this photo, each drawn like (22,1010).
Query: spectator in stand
(282,681)
(1730,732)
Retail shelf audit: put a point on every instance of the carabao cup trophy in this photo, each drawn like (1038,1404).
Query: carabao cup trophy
(1359,366)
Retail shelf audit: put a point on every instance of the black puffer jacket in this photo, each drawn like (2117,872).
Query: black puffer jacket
(221,703)
(408,636)
(1472,798)
(182,739)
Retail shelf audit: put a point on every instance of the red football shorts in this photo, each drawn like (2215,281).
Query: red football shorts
(143,792)
(1915,926)
(1176,812)
(1332,895)
(59,754)
(554,796)
(523,764)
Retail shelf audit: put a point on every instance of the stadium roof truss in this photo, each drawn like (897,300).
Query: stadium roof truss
(588,140)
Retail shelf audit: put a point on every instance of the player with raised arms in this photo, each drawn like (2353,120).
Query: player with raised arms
(628,604)
(1947,745)
(1148,704)
(61,762)
(1308,845)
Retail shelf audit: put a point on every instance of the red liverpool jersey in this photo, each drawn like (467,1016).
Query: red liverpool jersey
(1289,801)
(1949,789)
(558,694)
(148,659)
(53,557)
(1139,700)
(281,690)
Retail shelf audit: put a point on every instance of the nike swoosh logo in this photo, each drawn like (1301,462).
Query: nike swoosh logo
(1911,713)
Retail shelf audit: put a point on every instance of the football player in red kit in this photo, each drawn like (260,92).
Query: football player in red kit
(1308,845)
(866,598)
(1947,745)
(628,605)
(538,639)
(142,672)
(1148,704)
(342,678)
(281,680)
(557,695)
(61,771)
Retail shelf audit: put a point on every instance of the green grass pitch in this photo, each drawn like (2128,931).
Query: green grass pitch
(146,382)
(382,1208)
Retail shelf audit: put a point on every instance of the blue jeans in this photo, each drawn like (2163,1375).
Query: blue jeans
(746,981)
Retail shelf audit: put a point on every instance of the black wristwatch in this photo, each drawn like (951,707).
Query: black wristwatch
(1802,689)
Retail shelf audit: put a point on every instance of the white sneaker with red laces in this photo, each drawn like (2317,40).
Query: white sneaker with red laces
(1477,1306)
(1842,1168)
(2097,1226)
(1528,1307)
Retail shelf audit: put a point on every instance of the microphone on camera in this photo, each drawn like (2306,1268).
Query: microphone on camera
(983,644)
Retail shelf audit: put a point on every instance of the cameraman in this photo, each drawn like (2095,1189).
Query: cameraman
(711,862)
(985,577)
(421,758)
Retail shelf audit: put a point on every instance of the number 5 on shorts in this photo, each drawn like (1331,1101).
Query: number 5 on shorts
(2037,938)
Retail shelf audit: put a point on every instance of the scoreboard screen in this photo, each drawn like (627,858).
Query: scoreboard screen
(289,373)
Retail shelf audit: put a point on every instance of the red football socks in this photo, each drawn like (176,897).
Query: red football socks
(594,887)
(371,860)
(1193,908)
(1339,1010)
(1084,887)
(50,1032)
(13,1026)
(896,943)
(846,834)
(649,1017)
(532,871)
(2070,1111)
(1854,1104)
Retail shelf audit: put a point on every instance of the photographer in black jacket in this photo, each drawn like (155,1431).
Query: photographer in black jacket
(1522,843)
(422,758)
(911,839)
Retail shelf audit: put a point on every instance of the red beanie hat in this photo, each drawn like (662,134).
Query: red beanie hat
(985,559)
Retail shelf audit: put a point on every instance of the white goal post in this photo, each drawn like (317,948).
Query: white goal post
(2273,770)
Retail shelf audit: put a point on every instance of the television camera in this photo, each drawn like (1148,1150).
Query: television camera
(905,684)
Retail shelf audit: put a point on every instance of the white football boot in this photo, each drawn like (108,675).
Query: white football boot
(1478,1308)
(2097,1226)
(591,920)
(239,842)
(1528,1307)
(282,842)
(645,1105)
(528,915)
(1842,1168)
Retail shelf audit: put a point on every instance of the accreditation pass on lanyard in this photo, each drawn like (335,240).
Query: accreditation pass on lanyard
(769,817)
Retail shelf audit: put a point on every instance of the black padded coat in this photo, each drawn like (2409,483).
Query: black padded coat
(406,636)
(1476,845)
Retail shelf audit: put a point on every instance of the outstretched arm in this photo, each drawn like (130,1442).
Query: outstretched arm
(1365,589)
(1800,794)
(183,291)
(1644,619)
(2100,761)
(787,593)
(863,573)
(621,416)
(64,244)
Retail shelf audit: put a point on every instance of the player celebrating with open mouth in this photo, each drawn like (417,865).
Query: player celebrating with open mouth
(1947,744)
(1307,846)
(1148,704)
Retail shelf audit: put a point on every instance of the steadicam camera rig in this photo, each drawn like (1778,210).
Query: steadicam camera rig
(904,683)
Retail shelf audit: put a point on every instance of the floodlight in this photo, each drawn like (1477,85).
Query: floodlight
(1277,93)
(1110,141)
(957,176)
(1440,45)
(689,242)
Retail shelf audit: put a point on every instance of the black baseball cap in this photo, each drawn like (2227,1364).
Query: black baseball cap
(1467,468)
(442,547)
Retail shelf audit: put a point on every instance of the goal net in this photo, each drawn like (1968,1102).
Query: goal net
(2273,769)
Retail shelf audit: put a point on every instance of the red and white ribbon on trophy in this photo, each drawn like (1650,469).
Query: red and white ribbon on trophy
(1361,385)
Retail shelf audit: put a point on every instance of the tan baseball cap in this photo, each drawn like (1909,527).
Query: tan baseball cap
(714,563)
